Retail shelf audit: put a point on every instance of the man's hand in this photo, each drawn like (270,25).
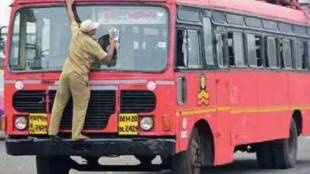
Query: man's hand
(110,50)
(112,43)
(70,11)
(70,2)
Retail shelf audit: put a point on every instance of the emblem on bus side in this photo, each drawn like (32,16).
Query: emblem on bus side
(203,95)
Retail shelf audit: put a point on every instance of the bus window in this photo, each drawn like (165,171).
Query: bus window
(300,55)
(231,53)
(194,60)
(181,49)
(271,53)
(254,43)
(305,56)
(235,49)
(208,44)
(308,53)
(220,50)
(286,54)
(188,50)
(42,35)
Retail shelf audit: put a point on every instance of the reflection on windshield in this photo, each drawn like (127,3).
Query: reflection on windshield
(42,37)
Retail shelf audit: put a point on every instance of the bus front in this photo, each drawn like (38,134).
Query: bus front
(130,110)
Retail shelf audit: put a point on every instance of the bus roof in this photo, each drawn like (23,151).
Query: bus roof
(255,8)
(250,7)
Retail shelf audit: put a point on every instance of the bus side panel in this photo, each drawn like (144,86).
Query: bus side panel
(225,141)
(224,145)
(243,98)
(300,97)
(273,116)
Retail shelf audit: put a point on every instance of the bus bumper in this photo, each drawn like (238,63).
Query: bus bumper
(91,147)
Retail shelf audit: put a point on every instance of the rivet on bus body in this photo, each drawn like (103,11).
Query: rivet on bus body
(166,123)
(19,85)
(151,85)
(217,134)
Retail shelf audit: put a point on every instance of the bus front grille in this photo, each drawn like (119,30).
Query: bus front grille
(101,106)
(32,101)
(137,101)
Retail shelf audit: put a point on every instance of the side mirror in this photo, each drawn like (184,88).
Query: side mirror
(3,35)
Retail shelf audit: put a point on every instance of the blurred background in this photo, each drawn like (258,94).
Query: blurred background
(4,19)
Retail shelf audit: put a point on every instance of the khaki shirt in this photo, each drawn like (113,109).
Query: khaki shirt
(83,52)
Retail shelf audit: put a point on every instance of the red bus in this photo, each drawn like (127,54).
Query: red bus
(193,82)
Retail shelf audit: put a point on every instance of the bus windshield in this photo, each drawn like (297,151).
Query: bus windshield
(42,36)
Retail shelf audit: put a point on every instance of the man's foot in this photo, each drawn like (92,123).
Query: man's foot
(55,138)
(80,138)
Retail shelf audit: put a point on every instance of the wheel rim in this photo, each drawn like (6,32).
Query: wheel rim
(196,158)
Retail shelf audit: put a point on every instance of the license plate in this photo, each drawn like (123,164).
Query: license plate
(38,124)
(128,124)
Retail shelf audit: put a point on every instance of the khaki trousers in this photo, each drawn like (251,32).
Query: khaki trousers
(75,85)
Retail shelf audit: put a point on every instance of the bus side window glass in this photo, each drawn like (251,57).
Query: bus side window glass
(194,59)
(281,54)
(251,50)
(208,44)
(231,53)
(305,57)
(298,53)
(308,51)
(14,61)
(220,50)
(287,54)
(254,43)
(258,46)
(181,49)
(271,53)
(238,49)
(188,50)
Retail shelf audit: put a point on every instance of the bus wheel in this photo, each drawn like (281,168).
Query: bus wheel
(279,154)
(53,164)
(190,161)
(264,155)
(285,151)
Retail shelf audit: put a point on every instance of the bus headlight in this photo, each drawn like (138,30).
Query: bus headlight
(147,123)
(21,123)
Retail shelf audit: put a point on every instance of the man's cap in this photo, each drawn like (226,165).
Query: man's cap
(88,25)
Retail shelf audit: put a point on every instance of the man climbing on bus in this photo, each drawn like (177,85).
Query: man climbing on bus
(74,82)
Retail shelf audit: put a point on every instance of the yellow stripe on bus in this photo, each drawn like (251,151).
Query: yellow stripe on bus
(197,111)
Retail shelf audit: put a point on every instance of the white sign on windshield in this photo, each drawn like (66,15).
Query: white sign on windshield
(130,16)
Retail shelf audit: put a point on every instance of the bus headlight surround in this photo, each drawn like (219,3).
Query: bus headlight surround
(21,123)
(147,123)
(151,86)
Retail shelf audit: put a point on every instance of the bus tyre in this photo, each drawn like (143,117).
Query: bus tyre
(285,151)
(279,154)
(264,155)
(190,161)
(52,165)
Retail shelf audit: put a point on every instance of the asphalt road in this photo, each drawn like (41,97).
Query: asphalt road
(244,164)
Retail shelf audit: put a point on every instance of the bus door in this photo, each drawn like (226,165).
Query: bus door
(189,70)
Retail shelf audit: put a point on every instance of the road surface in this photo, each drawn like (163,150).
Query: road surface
(244,164)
